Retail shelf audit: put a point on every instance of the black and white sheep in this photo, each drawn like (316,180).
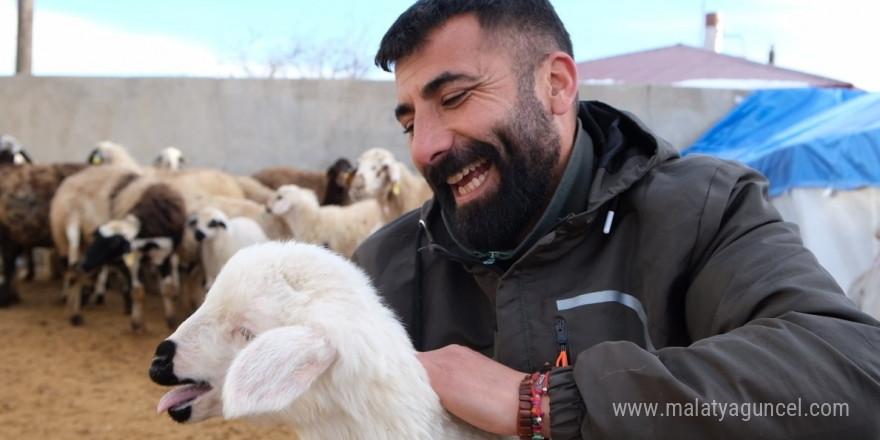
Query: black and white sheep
(90,210)
(11,151)
(293,333)
(341,228)
(382,177)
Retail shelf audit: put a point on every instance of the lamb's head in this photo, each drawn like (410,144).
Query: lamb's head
(207,222)
(111,240)
(107,152)
(377,175)
(288,197)
(170,158)
(260,340)
(119,238)
(12,152)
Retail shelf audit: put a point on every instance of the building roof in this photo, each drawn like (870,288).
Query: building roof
(691,66)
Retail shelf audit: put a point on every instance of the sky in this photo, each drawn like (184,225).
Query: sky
(238,38)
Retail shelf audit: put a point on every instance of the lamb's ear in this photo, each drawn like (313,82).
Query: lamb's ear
(393,173)
(274,369)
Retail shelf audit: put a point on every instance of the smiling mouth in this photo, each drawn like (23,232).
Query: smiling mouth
(178,402)
(470,177)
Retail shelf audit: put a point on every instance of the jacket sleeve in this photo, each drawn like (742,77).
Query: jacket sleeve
(778,351)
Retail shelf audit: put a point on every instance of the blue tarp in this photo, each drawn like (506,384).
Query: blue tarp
(828,138)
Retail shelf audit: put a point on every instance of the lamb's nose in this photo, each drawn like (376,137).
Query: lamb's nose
(162,367)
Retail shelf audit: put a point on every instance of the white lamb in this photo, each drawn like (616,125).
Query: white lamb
(170,158)
(382,177)
(221,237)
(293,333)
(341,228)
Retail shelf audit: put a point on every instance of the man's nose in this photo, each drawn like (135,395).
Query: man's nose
(430,141)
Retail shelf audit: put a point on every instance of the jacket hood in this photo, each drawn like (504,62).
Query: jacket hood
(625,150)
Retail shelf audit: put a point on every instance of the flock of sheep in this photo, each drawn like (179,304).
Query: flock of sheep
(166,229)
(308,343)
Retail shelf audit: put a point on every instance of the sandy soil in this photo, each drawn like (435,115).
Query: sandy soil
(89,382)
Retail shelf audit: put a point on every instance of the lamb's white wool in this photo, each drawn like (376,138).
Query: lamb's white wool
(341,228)
(294,333)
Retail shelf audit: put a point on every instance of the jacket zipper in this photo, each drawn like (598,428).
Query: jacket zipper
(560,327)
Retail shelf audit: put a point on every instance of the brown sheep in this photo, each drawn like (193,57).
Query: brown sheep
(25,196)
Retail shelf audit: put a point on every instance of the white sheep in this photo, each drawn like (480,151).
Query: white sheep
(170,158)
(221,237)
(292,333)
(341,228)
(379,175)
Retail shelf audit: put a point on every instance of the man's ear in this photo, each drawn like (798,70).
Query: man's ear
(274,369)
(563,82)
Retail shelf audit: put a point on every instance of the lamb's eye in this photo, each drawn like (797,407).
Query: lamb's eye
(247,334)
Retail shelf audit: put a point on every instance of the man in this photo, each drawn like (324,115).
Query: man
(673,299)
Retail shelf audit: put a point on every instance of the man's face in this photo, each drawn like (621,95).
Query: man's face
(483,140)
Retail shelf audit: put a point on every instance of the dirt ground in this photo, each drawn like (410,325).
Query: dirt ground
(89,382)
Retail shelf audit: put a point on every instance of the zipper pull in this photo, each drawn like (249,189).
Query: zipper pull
(491,259)
(560,327)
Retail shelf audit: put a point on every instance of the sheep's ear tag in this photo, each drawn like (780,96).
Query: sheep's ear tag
(129,259)
(395,188)
(96,159)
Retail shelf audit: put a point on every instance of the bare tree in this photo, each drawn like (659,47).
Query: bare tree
(298,58)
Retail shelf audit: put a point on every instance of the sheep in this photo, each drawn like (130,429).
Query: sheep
(331,186)
(26,193)
(338,181)
(88,200)
(11,151)
(379,175)
(293,333)
(170,158)
(110,153)
(341,228)
(221,236)
(276,176)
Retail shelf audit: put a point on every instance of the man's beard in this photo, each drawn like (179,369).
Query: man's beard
(530,153)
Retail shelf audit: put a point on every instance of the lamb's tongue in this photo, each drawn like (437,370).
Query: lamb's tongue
(181,395)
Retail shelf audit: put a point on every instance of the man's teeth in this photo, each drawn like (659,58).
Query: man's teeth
(472,185)
(455,178)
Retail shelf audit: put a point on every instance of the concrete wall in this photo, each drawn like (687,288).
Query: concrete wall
(242,125)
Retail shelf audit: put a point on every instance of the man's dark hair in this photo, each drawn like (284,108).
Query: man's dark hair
(530,27)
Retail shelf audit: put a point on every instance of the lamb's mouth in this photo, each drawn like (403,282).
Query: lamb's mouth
(178,402)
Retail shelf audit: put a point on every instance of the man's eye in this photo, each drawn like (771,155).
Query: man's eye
(454,99)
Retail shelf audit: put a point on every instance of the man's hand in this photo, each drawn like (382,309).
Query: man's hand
(475,388)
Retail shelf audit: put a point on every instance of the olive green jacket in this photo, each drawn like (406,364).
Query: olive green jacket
(688,307)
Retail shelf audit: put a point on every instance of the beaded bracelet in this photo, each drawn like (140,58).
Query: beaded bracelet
(531,389)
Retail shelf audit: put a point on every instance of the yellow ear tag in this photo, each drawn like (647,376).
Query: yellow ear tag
(395,189)
(129,259)
(96,160)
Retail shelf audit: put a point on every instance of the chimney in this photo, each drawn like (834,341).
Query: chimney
(714,37)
